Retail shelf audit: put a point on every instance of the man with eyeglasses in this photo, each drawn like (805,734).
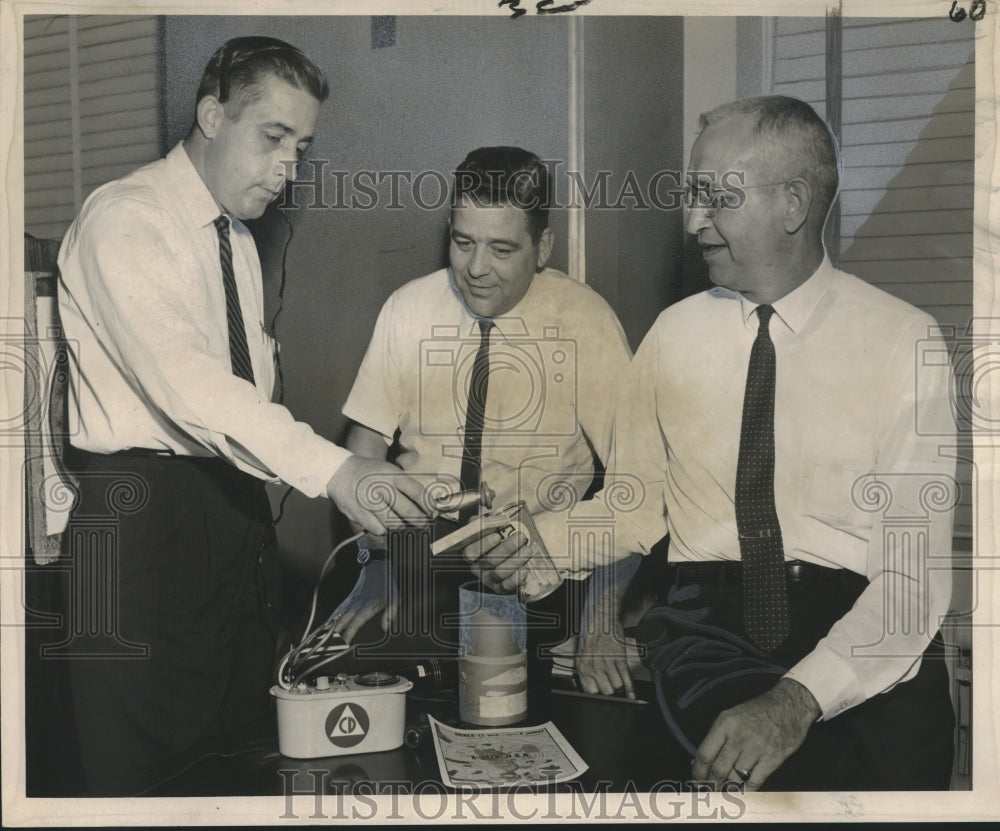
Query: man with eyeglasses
(174,431)
(793,444)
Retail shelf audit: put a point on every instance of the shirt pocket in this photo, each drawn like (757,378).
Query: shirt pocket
(834,493)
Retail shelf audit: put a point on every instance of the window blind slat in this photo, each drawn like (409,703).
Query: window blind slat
(791,26)
(57,165)
(918,33)
(930,81)
(45,80)
(914,222)
(116,86)
(910,247)
(897,107)
(108,121)
(792,69)
(121,137)
(39,26)
(43,130)
(928,174)
(130,157)
(927,150)
(43,100)
(948,125)
(884,274)
(100,105)
(807,43)
(898,200)
(908,144)
(115,98)
(46,61)
(905,59)
(99,29)
(810,91)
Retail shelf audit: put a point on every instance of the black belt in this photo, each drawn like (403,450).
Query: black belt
(75,455)
(730,572)
(147,453)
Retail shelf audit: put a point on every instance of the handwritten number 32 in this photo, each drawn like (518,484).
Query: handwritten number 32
(977,11)
(547,7)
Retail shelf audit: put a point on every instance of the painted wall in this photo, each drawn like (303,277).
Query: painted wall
(633,133)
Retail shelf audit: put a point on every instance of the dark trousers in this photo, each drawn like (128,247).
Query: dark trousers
(170,646)
(702,663)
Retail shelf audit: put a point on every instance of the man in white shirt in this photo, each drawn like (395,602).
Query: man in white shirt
(792,442)
(171,382)
(555,352)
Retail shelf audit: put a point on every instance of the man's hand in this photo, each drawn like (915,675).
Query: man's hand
(498,561)
(370,492)
(374,591)
(756,736)
(601,662)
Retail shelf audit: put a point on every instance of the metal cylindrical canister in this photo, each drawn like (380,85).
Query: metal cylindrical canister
(493,691)
(492,660)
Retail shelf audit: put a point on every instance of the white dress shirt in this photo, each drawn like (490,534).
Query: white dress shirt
(143,308)
(862,413)
(555,359)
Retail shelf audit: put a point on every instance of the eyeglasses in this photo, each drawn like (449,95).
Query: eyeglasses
(704,196)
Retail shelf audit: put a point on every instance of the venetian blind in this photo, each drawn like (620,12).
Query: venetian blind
(907,95)
(91,110)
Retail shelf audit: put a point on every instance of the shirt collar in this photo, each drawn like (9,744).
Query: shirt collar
(511,324)
(199,204)
(796,307)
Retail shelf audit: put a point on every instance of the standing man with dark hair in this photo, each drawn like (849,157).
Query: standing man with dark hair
(171,380)
(795,446)
(541,353)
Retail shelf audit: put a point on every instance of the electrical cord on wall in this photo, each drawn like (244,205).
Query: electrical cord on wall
(321,647)
(272,331)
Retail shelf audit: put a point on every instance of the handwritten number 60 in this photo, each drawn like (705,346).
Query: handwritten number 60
(977,11)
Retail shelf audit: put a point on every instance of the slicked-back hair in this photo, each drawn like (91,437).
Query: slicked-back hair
(495,176)
(235,72)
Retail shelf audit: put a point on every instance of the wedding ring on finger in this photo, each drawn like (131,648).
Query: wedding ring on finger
(743,774)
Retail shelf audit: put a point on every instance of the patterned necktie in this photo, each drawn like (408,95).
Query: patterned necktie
(239,352)
(765,591)
(475,412)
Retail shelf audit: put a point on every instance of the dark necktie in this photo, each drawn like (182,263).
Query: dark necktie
(765,592)
(239,352)
(472,452)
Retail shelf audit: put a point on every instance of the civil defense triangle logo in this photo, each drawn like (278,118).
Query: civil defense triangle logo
(347,725)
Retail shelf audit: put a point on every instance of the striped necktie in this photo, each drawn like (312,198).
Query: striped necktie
(475,414)
(239,351)
(765,591)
